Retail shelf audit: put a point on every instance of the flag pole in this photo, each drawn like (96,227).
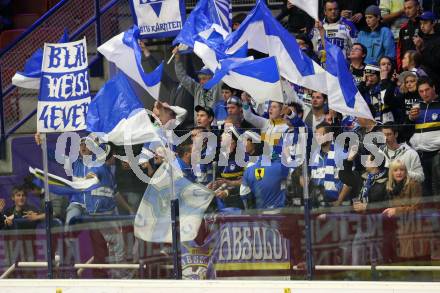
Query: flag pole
(307,207)
(175,217)
(171,58)
(47,208)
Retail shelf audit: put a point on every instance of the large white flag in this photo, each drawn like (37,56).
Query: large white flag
(153,218)
(309,6)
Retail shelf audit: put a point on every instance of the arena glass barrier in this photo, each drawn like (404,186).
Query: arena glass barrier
(369,242)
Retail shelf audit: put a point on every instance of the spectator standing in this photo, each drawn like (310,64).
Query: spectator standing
(316,114)
(264,187)
(368,189)
(428,45)
(425,116)
(27,214)
(227,185)
(372,92)
(408,30)
(338,30)
(408,95)
(272,128)
(377,38)
(220,107)
(354,11)
(388,87)
(202,97)
(204,116)
(357,62)
(393,15)
(171,91)
(325,187)
(184,151)
(405,197)
(401,151)
(412,61)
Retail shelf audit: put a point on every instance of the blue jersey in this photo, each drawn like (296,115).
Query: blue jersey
(100,199)
(220,111)
(187,170)
(203,172)
(265,184)
(231,171)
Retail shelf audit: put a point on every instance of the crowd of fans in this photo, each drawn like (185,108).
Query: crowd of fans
(392,50)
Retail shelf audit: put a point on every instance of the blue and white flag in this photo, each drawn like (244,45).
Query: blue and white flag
(65,89)
(117,115)
(260,78)
(30,77)
(153,218)
(61,186)
(343,95)
(210,19)
(124,51)
(262,32)
(158,18)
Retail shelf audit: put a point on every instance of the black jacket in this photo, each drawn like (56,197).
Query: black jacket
(356,180)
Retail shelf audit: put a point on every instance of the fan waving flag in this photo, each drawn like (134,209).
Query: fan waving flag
(344,96)
(117,115)
(262,32)
(153,218)
(210,19)
(158,18)
(260,78)
(309,6)
(125,52)
(30,77)
(62,186)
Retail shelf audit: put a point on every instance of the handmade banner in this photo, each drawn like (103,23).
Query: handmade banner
(158,18)
(64,89)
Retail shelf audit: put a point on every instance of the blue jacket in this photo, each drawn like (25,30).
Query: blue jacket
(101,199)
(379,43)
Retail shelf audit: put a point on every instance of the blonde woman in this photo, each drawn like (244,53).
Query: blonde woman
(405,197)
(404,192)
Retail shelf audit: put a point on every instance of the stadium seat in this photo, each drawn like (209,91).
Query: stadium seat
(24,20)
(8,36)
(30,6)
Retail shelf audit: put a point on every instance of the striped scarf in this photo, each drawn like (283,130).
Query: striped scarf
(324,173)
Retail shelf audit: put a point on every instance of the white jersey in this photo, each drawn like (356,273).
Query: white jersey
(342,33)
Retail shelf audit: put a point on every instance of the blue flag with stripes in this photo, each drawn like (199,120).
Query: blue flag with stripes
(210,19)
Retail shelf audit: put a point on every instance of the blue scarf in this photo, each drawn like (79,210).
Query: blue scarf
(371,179)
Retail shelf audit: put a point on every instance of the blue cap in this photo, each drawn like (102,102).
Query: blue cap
(205,70)
(428,15)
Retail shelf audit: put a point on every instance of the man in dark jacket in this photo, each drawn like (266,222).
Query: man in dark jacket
(428,44)
(368,187)
(408,30)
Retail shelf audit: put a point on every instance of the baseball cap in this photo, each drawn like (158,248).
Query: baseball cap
(206,109)
(205,70)
(372,10)
(235,100)
(372,69)
(428,15)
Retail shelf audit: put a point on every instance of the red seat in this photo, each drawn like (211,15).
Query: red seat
(8,36)
(24,20)
(30,6)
